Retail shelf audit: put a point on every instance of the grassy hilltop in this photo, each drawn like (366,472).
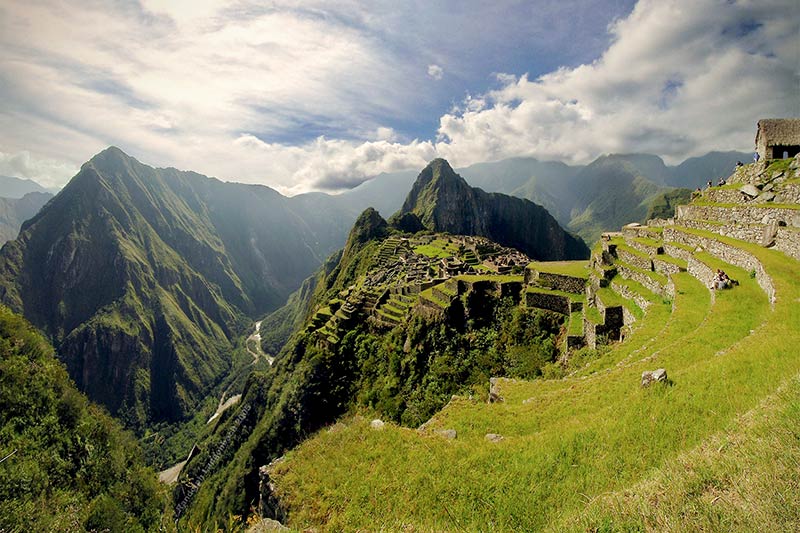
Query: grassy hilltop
(714,448)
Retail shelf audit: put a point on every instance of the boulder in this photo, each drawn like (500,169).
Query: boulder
(795,221)
(493,437)
(777,174)
(767,197)
(652,376)
(494,391)
(449,434)
(768,187)
(769,234)
(750,190)
(377,424)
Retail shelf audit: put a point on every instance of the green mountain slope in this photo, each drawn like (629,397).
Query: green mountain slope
(372,340)
(711,448)
(66,465)
(444,202)
(143,277)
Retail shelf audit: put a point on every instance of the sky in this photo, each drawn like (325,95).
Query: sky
(325,94)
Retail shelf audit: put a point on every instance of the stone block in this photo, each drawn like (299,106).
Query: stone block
(653,376)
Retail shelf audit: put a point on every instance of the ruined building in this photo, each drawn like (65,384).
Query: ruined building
(778,138)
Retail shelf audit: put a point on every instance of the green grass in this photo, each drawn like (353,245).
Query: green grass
(576,269)
(655,276)
(575,323)
(637,288)
(432,251)
(766,205)
(572,296)
(647,242)
(593,315)
(576,440)
(427,294)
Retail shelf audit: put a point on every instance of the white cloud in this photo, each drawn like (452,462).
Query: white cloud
(680,79)
(436,72)
(225,89)
(46,172)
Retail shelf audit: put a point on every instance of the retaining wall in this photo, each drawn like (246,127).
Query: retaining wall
(550,302)
(729,254)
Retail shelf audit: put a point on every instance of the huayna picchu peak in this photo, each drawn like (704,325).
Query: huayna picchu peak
(444,202)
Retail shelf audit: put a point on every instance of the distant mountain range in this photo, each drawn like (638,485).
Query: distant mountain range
(14,211)
(609,192)
(11,187)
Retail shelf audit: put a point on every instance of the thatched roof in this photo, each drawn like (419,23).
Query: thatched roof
(779,131)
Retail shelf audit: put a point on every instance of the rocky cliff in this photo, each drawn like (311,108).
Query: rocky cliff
(444,202)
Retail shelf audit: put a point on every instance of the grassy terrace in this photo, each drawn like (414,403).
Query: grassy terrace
(601,440)
(427,294)
(593,315)
(573,297)
(647,242)
(575,324)
(611,298)
(636,287)
(655,276)
(437,248)
(576,269)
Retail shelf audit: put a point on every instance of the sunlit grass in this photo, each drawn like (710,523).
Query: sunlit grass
(567,442)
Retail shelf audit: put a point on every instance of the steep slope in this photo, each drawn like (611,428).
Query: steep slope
(613,192)
(66,465)
(596,450)
(444,202)
(15,211)
(377,339)
(143,277)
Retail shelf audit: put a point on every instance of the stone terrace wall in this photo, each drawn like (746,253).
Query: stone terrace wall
(677,251)
(743,214)
(625,292)
(787,239)
(561,282)
(550,302)
(701,271)
(635,259)
(729,254)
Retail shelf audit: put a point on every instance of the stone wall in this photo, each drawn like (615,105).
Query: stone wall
(625,292)
(787,238)
(788,241)
(664,267)
(647,281)
(550,302)
(676,251)
(645,249)
(729,254)
(561,282)
(635,259)
(702,272)
(743,214)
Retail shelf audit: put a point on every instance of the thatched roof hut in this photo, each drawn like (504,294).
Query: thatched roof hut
(778,137)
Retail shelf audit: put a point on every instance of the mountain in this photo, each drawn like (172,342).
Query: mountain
(144,278)
(697,171)
(444,202)
(66,465)
(379,336)
(613,191)
(11,187)
(14,211)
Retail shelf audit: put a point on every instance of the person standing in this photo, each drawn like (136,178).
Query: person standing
(756,157)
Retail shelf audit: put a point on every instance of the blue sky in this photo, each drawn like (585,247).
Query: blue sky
(321,95)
